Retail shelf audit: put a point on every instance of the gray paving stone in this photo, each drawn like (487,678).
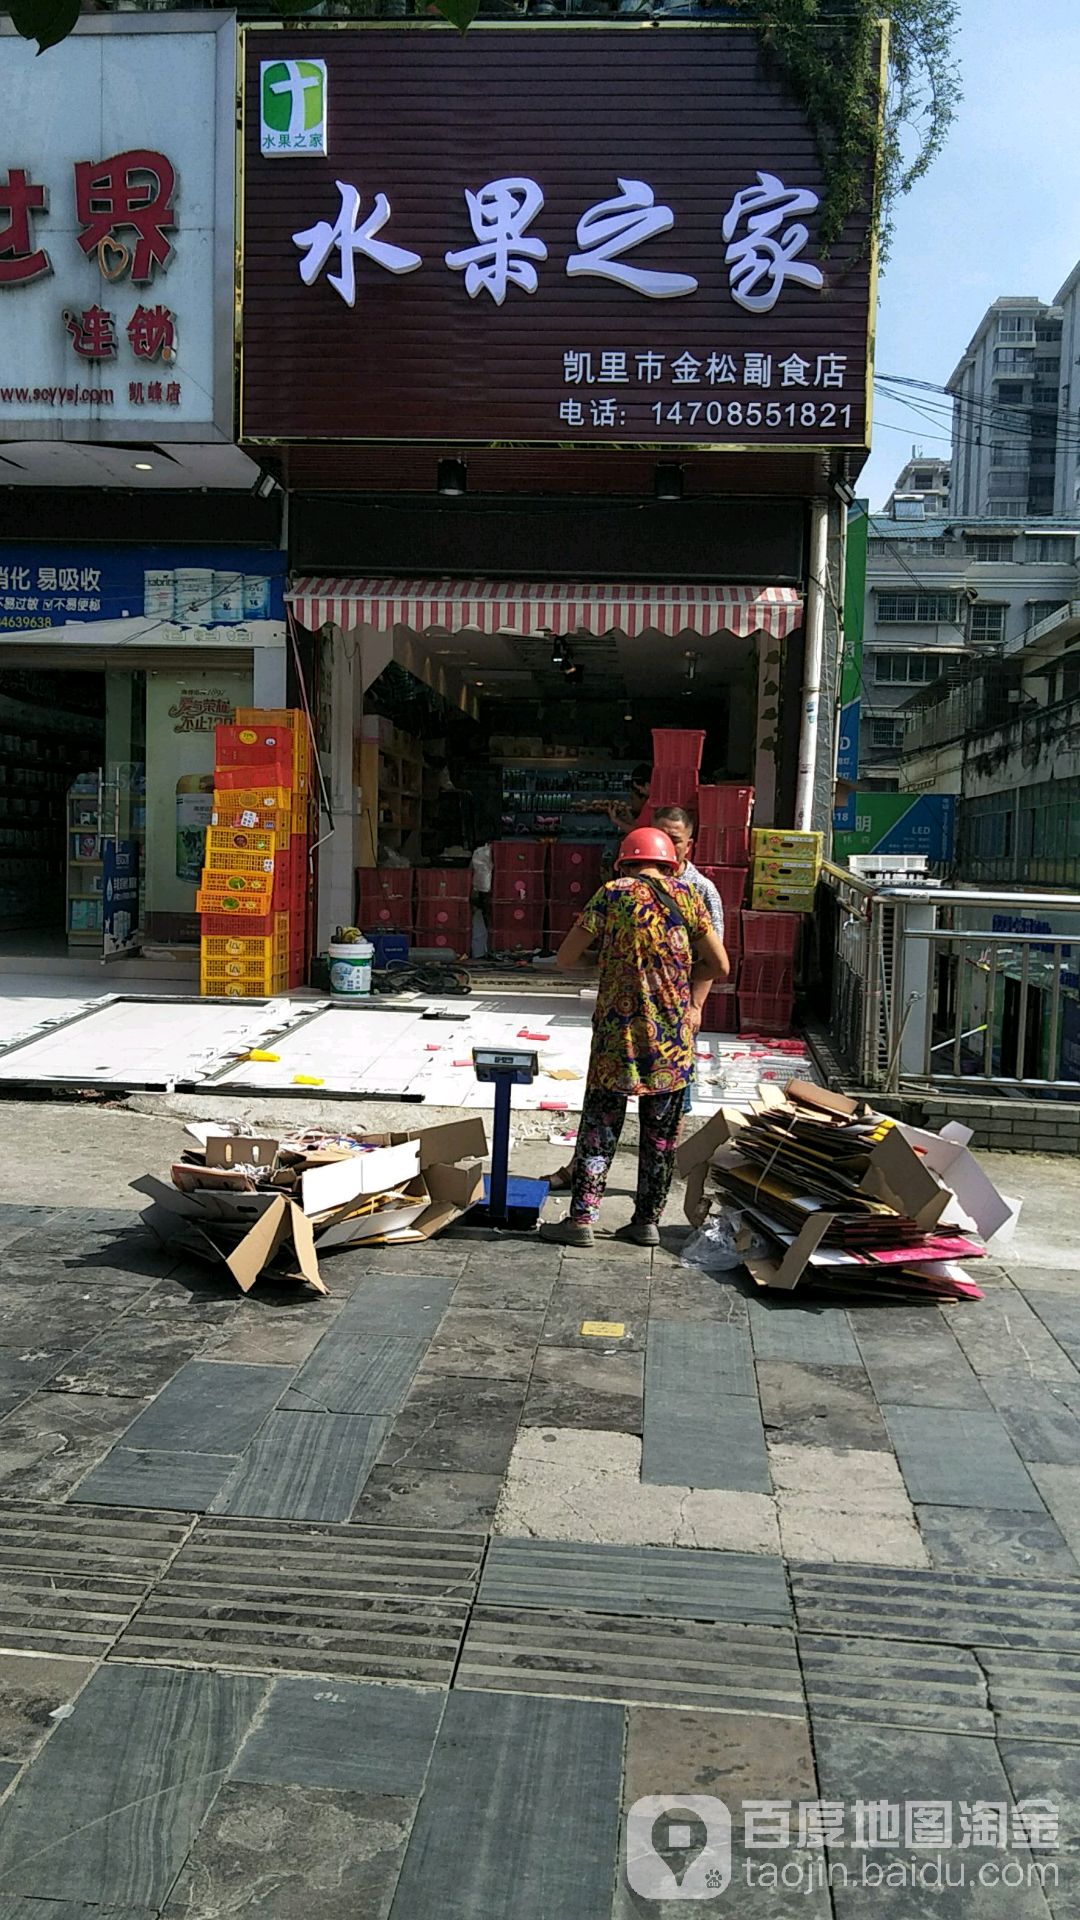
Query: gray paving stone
(572,1387)
(304,1466)
(356,1373)
(500,1344)
(679,1293)
(53,1439)
(112,1804)
(509,1291)
(457,1423)
(8,1770)
(31,1687)
(894,1683)
(1059,1313)
(790,1330)
(133,1360)
(992,1540)
(1060,1488)
(22,1373)
(1004,1335)
(950,1607)
(1035,1692)
(953,1458)
(676,1583)
(411,1302)
(713,1445)
(819,1406)
(471,1851)
(655,1661)
(138,1477)
(294,1853)
(573,1304)
(67,1909)
(40,1316)
(702,1361)
(399,1497)
(209,1408)
(736,1756)
(361,1738)
(893,1764)
(1050,1438)
(274,1336)
(920,1368)
(1047,1770)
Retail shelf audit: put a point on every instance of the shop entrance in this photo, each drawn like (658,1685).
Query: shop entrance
(72,760)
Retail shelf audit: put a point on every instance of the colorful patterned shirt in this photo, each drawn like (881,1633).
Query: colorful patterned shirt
(642,1041)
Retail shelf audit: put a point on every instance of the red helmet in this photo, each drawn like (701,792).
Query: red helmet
(649,844)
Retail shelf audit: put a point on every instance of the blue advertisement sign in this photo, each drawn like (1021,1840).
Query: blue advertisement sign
(52,585)
(847,745)
(119,895)
(897,823)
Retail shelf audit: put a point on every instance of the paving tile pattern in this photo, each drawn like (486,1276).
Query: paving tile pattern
(359,1604)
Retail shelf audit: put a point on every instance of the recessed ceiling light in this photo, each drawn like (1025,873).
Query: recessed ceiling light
(143,466)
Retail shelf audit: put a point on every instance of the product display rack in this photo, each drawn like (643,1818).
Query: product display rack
(37,749)
(392,789)
(85,867)
(562,797)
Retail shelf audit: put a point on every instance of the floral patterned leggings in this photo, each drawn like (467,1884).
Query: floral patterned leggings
(602,1117)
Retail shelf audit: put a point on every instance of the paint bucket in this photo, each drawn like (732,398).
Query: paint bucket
(350,968)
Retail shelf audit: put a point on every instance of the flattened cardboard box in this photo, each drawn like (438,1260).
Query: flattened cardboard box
(437,1171)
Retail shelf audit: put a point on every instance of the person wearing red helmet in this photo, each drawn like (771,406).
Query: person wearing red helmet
(658,957)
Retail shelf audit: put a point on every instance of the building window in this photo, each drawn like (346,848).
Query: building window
(922,479)
(1008,453)
(1051,546)
(1010,508)
(886,733)
(1047,363)
(1045,396)
(878,546)
(916,609)
(1013,360)
(907,669)
(1009,393)
(1039,610)
(986,623)
(978,548)
(939,546)
(1015,326)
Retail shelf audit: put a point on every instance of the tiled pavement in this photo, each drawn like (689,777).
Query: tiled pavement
(391,1606)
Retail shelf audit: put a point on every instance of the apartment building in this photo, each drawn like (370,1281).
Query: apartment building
(1007,403)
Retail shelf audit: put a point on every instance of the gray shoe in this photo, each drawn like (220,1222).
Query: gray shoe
(641,1233)
(563,1233)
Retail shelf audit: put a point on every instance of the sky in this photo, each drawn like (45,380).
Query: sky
(999,212)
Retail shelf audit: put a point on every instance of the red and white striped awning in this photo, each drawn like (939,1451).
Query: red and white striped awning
(492,606)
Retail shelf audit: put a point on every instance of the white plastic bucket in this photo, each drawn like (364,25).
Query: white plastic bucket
(350,968)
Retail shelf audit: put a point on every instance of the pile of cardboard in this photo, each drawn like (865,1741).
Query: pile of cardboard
(843,1197)
(265,1206)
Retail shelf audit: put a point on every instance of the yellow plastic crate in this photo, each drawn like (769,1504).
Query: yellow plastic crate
(235,861)
(253,948)
(253,799)
(786,844)
(275,820)
(229,974)
(230,839)
(235,893)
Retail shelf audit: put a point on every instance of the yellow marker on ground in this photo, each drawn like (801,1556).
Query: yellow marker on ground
(604,1329)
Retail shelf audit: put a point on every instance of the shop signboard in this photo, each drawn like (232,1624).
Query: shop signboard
(851,668)
(158,589)
(897,823)
(117,174)
(120,896)
(484,238)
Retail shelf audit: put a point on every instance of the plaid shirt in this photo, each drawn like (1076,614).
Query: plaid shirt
(714,906)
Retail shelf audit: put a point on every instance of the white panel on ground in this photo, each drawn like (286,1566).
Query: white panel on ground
(140,1042)
(346,1049)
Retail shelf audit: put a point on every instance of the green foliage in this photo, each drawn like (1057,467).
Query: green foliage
(829,55)
(46,21)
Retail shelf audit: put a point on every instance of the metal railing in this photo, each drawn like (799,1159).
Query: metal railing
(924,994)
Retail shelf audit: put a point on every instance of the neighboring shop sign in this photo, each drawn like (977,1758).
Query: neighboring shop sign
(120,895)
(897,823)
(116,185)
(489,239)
(162,589)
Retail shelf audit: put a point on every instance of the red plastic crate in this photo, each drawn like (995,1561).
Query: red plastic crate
(566,891)
(720,1013)
(765,1012)
(560,921)
(771,932)
(450,939)
(728,805)
(674,787)
(443,883)
(723,847)
(519,856)
(574,859)
(523,927)
(449,916)
(768,973)
(730,884)
(518,890)
(678,747)
(384,899)
(248,746)
(733,935)
(265,776)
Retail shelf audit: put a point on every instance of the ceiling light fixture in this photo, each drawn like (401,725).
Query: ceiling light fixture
(668,482)
(451,478)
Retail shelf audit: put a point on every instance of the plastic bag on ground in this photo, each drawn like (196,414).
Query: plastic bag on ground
(714,1248)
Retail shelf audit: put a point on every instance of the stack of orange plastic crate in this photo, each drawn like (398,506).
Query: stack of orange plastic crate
(253,899)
